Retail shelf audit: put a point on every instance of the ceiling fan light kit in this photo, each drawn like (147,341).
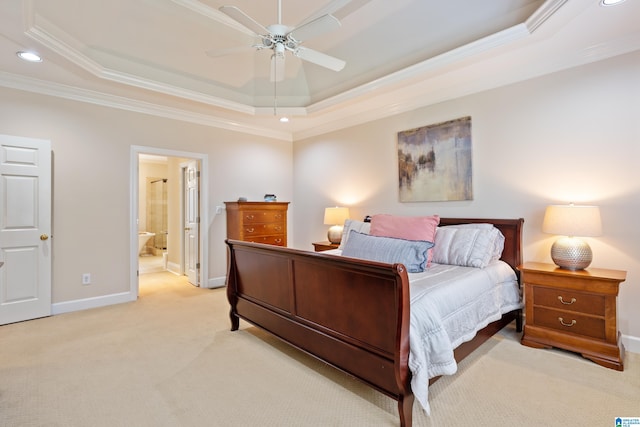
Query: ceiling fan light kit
(281,38)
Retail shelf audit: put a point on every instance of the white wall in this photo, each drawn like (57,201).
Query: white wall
(91,152)
(570,136)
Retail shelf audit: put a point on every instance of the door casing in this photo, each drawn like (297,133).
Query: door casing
(133,225)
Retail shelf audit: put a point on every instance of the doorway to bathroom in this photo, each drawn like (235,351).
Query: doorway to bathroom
(153,215)
(167,198)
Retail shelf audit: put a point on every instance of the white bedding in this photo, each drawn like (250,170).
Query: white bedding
(449,305)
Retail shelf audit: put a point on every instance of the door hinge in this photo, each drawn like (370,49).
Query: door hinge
(197,266)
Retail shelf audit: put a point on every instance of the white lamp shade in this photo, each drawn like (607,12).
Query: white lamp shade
(572,220)
(335,216)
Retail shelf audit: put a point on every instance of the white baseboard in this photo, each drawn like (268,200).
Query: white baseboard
(173,267)
(631,344)
(94,302)
(217,282)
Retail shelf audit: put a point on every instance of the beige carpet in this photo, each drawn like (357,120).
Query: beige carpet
(169,360)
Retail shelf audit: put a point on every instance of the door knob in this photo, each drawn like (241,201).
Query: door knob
(43,237)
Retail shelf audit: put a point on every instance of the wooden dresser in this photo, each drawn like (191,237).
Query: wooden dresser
(260,222)
(573,310)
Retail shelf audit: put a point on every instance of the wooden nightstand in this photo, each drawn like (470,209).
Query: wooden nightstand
(324,246)
(573,310)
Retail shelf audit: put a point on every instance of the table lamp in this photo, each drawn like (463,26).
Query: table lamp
(572,221)
(335,217)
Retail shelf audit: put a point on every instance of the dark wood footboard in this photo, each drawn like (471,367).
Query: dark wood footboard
(351,314)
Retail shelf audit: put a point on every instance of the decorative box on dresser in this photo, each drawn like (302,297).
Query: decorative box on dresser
(259,222)
(573,310)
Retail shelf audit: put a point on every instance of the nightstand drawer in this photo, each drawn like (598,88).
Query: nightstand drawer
(565,299)
(570,322)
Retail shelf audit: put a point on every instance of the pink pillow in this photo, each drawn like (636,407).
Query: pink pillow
(406,227)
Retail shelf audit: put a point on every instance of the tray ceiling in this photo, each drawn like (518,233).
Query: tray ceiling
(153,54)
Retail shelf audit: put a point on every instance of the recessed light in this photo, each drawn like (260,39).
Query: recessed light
(610,2)
(29,56)
(284,119)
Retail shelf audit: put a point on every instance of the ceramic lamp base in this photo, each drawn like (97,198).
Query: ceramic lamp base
(571,253)
(335,234)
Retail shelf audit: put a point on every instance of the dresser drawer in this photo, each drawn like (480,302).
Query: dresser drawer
(268,240)
(249,230)
(565,321)
(566,299)
(257,217)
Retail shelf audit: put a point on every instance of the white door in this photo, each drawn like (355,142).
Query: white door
(191,221)
(25,228)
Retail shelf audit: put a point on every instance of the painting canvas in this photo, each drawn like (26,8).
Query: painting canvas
(434,162)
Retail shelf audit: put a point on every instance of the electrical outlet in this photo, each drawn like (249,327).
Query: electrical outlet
(219,209)
(86,278)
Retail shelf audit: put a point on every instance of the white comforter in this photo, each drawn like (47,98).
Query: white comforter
(449,304)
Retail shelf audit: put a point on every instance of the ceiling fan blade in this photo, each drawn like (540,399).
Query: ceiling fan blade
(319,58)
(277,68)
(244,19)
(337,8)
(315,28)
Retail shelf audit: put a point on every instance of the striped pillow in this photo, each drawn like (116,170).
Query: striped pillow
(411,253)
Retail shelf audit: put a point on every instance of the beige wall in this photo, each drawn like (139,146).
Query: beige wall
(91,177)
(570,136)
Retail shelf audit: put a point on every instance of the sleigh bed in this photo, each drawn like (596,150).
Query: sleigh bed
(354,314)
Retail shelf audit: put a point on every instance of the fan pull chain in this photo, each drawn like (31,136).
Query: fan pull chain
(275,85)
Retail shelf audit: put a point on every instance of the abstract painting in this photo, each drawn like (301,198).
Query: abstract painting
(434,162)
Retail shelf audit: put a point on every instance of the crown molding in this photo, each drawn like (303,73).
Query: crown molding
(28,84)
(543,13)
(427,67)
(66,51)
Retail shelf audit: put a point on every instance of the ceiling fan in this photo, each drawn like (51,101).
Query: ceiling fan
(281,38)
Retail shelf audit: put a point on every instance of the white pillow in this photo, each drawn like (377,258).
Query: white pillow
(352,224)
(467,246)
(498,242)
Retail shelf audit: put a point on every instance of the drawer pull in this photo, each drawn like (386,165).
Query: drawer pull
(278,240)
(564,302)
(250,216)
(250,230)
(573,322)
